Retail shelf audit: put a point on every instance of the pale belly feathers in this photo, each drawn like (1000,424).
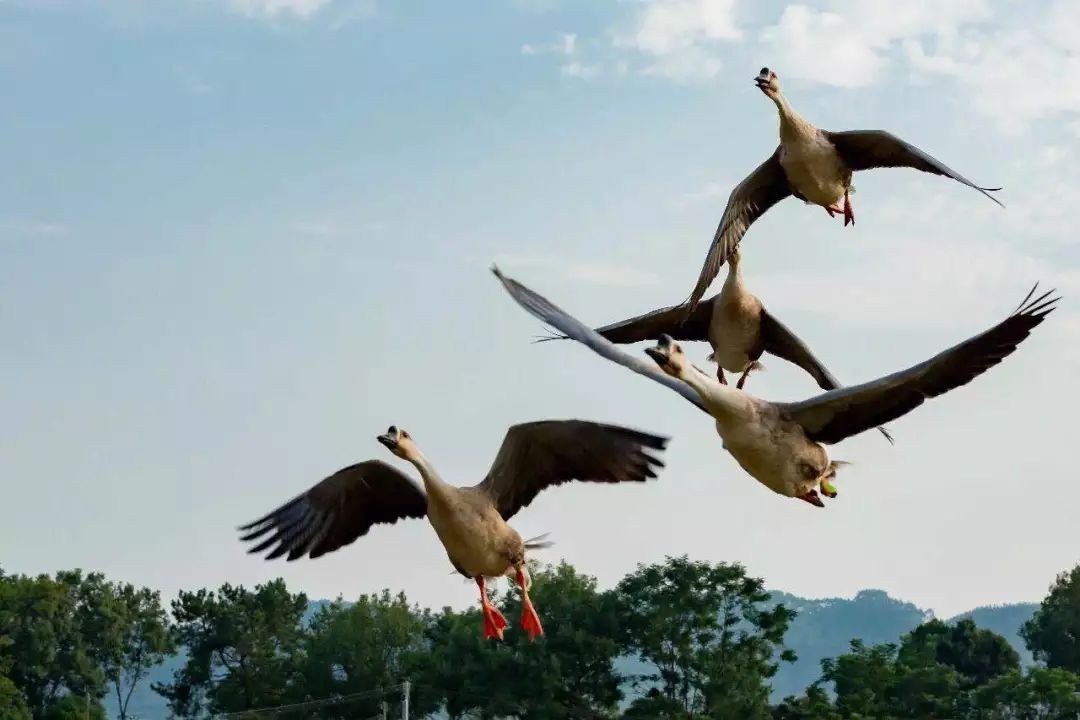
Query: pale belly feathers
(775,453)
(814,168)
(475,537)
(734,330)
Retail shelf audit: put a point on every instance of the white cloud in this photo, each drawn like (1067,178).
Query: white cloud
(300,9)
(850,45)
(668,26)
(578,70)
(677,39)
(1016,72)
(565,45)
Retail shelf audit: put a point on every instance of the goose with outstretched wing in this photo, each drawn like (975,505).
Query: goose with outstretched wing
(737,326)
(782,445)
(815,166)
(471,522)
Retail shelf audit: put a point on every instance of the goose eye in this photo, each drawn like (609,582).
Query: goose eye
(405,434)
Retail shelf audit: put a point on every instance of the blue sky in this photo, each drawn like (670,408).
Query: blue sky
(238,238)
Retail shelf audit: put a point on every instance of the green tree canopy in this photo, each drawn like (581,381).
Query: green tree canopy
(977,655)
(244,649)
(1040,694)
(707,630)
(568,673)
(369,647)
(1053,634)
(47,653)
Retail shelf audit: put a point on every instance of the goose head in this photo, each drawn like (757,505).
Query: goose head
(399,442)
(668,355)
(768,82)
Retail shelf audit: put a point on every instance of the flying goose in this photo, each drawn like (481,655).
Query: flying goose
(735,324)
(782,445)
(815,166)
(469,521)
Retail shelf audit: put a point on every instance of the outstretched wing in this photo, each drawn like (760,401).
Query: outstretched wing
(782,342)
(750,199)
(538,455)
(839,414)
(866,149)
(653,324)
(336,511)
(577,330)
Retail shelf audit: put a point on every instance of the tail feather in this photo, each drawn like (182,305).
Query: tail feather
(538,543)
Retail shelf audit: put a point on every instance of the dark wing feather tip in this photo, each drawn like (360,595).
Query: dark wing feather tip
(839,414)
(336,511)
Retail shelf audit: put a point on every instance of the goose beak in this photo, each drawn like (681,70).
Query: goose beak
(659,356)
(762,79)
(390,441)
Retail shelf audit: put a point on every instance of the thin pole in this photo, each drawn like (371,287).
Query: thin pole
(385,710)
(405,700)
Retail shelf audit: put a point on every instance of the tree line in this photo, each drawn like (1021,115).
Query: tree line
(702,641)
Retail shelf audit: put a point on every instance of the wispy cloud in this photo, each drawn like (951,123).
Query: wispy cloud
(851,45)
(677,39)
(1015,73)
(565,45)
(991,49)
(301,9)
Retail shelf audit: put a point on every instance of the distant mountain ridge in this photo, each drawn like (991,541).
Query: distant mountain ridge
(823,628)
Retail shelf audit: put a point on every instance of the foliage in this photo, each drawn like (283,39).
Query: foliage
(1041,694)
(1052,633)
(569,673)
(369,647)
(709,636)
(244,649)
(708,632)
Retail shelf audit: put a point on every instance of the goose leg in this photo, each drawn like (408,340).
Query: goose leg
(494,622)
(530,621)
(754,365)
(813,498)
(849,211)
(720,375)
(833,210)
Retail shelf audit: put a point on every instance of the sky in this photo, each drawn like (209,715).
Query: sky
(239,238)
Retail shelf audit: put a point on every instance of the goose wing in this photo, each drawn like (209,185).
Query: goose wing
(841,413)
(538,455)
(574,329)
(651,325)
(866,149)
(782,342)
(336,511)
(750,199)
